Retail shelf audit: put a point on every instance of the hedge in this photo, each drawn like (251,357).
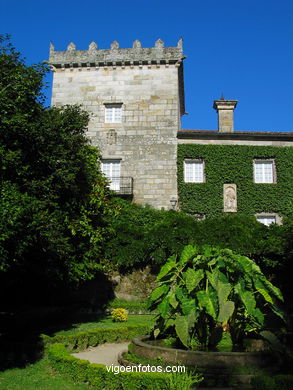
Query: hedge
(98,376)
(234,164)
(82,340)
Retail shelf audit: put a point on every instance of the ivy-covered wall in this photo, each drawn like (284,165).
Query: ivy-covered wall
(234,164)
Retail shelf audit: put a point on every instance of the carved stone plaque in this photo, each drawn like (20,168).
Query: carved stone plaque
(111,137)
(230,198)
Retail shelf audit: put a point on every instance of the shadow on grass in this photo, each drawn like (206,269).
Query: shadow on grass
(22,324)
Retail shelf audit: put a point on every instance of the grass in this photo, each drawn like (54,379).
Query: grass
(134,307)
(40,376)
(37,376)
(107,323)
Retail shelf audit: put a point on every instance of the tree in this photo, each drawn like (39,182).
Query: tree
(54,199)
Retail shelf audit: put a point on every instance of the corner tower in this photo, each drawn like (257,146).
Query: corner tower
(136,99)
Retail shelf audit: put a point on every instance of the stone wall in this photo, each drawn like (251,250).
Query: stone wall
(146,139)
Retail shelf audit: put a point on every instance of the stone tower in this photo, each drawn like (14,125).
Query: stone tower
(136,99)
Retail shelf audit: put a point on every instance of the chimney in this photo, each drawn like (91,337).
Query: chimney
(225,109)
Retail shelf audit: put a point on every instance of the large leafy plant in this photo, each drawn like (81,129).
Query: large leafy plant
(209,290)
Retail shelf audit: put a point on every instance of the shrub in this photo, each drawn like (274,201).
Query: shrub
(144,236)
(94,337)
(97,374)
(208,290)
(119,315)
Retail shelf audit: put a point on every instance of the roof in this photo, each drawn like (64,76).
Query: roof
(215,134)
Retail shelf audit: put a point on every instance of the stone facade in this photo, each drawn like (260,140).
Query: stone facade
(142,92)
(147,83)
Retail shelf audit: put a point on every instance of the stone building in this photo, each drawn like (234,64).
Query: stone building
(136,100)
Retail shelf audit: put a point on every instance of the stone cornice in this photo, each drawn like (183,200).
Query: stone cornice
(137,55)
(236,135)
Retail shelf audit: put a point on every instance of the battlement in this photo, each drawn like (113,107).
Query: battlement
(115,56)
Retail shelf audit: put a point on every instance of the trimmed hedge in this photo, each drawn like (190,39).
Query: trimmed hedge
(98,376)
(234,164)
(94,337)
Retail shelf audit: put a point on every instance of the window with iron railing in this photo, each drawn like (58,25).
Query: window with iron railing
(122,185)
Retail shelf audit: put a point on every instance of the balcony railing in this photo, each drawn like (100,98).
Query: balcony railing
(122,185)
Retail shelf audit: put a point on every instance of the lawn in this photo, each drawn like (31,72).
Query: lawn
(144,319)
(40,376)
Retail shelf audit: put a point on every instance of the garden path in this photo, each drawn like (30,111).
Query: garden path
(106,354)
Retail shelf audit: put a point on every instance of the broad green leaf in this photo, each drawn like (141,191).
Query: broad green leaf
(261,288)
(248,299)
(211,279)
(171,264)
(248,265)
(215,277)
(279,312)
(172,299)
(226,310)
(223,291)
(169,322)
(220,276)
(156,332)
(213,261)
(258,316)
(159,291)
(187,303)
(192,317)
(196,259)
(273,289)
(239,287)
(164,307)
(180,294)
(209,251)
(181,327)
(206,301)
(193,278)
(187,254)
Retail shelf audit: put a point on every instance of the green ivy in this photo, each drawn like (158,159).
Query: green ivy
(234,164)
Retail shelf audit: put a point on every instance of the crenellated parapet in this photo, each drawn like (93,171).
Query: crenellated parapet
(115,56)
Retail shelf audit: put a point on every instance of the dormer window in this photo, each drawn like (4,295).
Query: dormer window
(113,112)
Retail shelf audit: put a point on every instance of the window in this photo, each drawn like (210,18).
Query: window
(264,171)
(266,219)
(111,169)
(113,113)
(193,171)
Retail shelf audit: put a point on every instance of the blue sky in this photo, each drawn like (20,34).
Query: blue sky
(242,49)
